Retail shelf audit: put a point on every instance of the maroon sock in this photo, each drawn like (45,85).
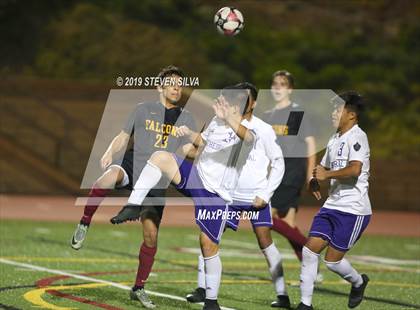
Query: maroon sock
(297,248)
(146,260)
(293,234)
(96,196)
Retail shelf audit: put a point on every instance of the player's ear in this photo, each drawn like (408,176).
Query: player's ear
(253,104)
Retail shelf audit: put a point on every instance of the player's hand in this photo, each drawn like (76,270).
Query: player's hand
(259,203)
(183,131)
(106,160)
(221,108)
(320,173)
(315,188)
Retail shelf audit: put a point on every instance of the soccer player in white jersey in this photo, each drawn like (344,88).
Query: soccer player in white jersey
(347,211)
(254,182)
(204,181)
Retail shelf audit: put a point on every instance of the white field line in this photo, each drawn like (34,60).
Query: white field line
(287,254)
(90,279)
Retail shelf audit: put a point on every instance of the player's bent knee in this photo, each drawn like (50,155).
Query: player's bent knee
(263,237)
(264,242)
(332,265)
(316,244)
(151,215)
(112,176)
(208,247)
(150,237)
(159,158)
(334,255)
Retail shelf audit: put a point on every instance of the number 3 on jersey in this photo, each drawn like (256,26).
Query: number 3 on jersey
(161,141)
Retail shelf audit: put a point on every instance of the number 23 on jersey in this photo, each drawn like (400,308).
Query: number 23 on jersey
(161,141)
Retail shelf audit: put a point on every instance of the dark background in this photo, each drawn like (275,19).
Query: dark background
(59,59)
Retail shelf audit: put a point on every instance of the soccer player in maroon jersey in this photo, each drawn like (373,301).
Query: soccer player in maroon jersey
(155,130)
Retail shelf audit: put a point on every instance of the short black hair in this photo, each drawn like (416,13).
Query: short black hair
(353,102)
(240,93)
(169,71)
(286,74)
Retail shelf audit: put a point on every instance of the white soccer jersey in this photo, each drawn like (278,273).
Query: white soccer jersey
(255,179)
(348,195)
(213,161)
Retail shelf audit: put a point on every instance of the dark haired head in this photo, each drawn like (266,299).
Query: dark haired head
(353,101)
(242,86)
(169,71)
(287,75)
(239,94)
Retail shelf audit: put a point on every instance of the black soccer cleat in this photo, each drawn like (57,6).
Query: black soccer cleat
(127,213)
(282,301)
(210,304)
(302,306)
(198,295)
(356,293)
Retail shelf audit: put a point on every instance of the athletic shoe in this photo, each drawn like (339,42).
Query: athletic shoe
(128,213)
(210,304)
(140,295)
(302,306)
(198,295)
(282,301)
(79,236)
(356,293)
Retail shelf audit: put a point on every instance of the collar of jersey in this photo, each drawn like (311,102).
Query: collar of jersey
(337,135)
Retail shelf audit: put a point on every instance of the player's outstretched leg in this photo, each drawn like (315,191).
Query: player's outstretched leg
(96,195)
(160,163)
(199,294)
(335,261)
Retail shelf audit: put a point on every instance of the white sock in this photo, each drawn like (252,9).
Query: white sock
(201,277)
(308,273)
(213,270)
(344,269)
(273,257)
(149,178)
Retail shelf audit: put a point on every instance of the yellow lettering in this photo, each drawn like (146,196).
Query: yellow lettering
(281,130)
(168,129)
(152,125)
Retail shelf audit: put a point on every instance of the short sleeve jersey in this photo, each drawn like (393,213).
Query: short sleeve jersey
(348,195)
(154,129)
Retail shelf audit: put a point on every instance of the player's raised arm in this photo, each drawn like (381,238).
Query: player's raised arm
(233,118)
(116,145)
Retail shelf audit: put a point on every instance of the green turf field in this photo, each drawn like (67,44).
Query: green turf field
(110,253)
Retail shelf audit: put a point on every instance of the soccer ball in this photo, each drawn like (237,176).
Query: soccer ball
(229,21)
